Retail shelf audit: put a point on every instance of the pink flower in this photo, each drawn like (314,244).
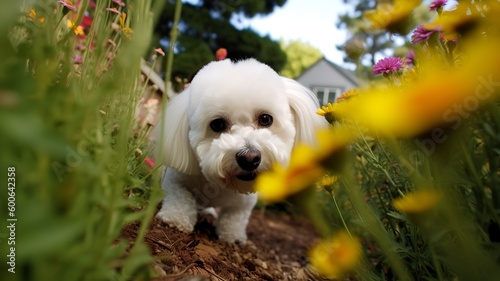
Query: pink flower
(150,162)
(421,34)
(113,10)
(160,51)
(441,37)
(387,65)
(67,4)
(80,47)
(221,53)
(77,60)
(119,3)
(437,4)
(110,42)
(410,57)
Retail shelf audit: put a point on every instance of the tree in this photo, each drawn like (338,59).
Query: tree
(300,56)
(206,26)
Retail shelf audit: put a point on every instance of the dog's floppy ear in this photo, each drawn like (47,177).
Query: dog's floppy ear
(175,149)
(304,105)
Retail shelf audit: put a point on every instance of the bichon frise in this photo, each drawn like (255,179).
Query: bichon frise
(231,123)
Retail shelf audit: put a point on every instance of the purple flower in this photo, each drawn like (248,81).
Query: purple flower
(78,60)
(387,65)
(441,37)
(421,34)
(437,4)
(409,57)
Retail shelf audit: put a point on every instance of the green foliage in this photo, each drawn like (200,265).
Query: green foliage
(68,130)
(459,238)
(420,194)
(250,8)
(300,56)
(426,206)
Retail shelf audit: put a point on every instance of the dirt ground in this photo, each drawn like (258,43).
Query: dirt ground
(276,250)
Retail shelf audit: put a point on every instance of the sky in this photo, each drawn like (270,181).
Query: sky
(311,21)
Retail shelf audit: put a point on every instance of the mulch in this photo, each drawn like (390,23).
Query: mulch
(276,249)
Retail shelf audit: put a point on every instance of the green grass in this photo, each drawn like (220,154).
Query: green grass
(68,129)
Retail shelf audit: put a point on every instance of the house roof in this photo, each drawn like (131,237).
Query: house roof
(349,75)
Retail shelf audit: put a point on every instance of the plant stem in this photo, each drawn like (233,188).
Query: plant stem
(174,32)
(340,213)
(156,192)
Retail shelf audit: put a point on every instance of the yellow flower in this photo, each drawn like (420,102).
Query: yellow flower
(328,180)
(336,256)
(77,30)
(327,111)
(332,141)
(307,165)
(417,202)
(279,183)
(452,23)
(347,95)
(439,97)
(442,96)
(395,16)
(32,14)
(127,31)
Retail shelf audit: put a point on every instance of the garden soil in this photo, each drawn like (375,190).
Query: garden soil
(276,250)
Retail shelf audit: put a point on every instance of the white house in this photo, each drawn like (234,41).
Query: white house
(327,80)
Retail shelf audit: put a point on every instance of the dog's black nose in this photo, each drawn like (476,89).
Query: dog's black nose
(248,159)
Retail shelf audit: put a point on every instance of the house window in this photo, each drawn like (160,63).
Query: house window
(327,94)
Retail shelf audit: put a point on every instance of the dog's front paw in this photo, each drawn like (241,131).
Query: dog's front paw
(231,231)
(178,220)
(238,238)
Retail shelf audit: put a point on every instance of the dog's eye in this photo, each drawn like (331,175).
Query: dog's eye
(265,120)
(218,125)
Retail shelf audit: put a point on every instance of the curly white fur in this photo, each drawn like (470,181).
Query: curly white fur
(204,170)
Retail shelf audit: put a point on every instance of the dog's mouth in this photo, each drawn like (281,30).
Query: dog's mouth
(247,176)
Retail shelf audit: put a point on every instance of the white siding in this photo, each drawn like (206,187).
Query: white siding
(324,77)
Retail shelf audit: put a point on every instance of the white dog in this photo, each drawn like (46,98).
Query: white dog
(230,124)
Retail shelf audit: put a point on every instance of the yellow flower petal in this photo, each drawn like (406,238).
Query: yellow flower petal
(331,141)
(302,171)
(347,95)
(436,99)
(336,256)
(127,32)
(32,14)
(329,108)
(392,16)
(328,180)
(417,202)
(79,30)
(452,22)
(123,16)
(307,166)
(70,23)
(271,185)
